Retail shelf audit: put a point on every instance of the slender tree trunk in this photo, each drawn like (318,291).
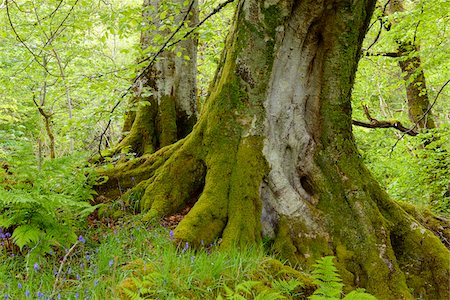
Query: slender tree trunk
(273,155)
(170,112)
(419,110)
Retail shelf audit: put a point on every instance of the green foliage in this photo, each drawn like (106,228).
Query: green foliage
(415,170)
(330,284)
(43,208)
(327,278)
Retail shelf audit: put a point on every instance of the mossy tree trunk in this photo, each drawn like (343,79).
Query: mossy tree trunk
(419,110)
(165,96)
(273,155)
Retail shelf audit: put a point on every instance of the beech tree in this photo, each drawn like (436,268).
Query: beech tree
(164,93)
(273,155)
(419,110)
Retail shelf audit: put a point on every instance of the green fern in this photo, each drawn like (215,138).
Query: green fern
(42,209)
(326,276)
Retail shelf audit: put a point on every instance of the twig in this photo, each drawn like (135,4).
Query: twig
(55,285)
(374,123)
(423,116)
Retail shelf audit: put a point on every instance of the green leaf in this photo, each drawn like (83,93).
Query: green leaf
(26,235)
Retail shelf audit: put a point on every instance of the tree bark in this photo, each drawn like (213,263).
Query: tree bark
(273,155)
(170,112)
(419,110)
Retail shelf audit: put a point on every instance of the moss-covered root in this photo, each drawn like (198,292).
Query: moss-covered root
(422,257)
(142,136)
(127,175)
(162,196)
(229,206)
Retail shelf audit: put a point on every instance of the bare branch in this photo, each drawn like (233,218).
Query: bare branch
(424,115)
(374,123)
(387,54)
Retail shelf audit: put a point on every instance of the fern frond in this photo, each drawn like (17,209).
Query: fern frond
(26,234)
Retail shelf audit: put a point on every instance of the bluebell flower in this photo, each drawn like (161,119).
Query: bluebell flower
(59,296)
(78,277)
(40,295)
(186,246)
(6,296)
(77,295)
(19,285)
(171,235)
(88,257)
(95,283)
(81,239)
(27,293)
(7,235)
(111,262)
(36,267)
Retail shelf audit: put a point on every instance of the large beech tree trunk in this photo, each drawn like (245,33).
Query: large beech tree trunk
(170,112)
(273,155)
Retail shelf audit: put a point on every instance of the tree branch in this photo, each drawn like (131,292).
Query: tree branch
(374,123)
(387,54)
(424,115)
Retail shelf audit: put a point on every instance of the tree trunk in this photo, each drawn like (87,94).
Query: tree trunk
(170,112)
(419,110)
(273,155)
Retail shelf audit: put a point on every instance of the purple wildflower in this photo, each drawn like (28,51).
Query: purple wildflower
(78,277)
(186,246)
(77,295)
(27,293)
(171,234)
(81,239)
(40,295)
(7,235)
(36,267)
(19,285)
(111,262)
(95,283)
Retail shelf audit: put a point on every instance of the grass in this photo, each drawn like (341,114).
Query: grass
(99,262)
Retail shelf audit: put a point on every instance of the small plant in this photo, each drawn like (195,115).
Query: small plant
(246,290)
(41,209)
(330,284)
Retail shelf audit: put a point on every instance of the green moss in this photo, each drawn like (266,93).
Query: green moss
(167,121)
(283,244)
(244,208)
(273,270)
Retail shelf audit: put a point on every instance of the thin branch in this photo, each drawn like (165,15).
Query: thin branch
(374,123)
(423,116)
(22,41)
(386,54)
(55,285)
(378,35)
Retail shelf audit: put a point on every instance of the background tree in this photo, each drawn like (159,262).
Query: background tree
(273,153)
(164,93)
(401,162)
